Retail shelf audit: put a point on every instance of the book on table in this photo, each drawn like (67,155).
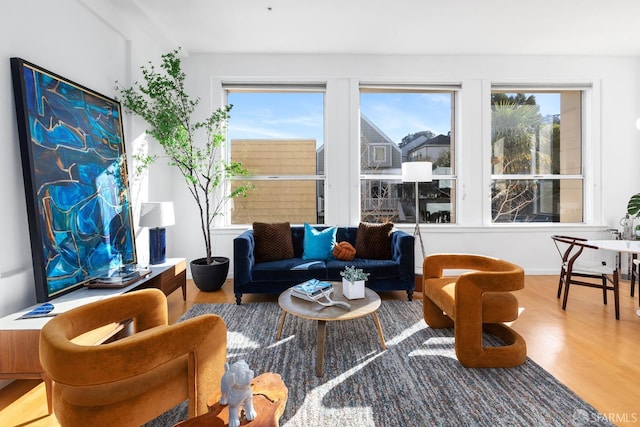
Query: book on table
(119,279)
(311,289)
(44,310)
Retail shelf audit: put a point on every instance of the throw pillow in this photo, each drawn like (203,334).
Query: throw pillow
(373,241)
(318,244)
(344,251)
(273,241)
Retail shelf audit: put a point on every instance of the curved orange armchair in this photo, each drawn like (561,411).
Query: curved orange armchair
(132,380)
(478,300)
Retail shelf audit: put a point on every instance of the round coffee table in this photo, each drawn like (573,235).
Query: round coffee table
(314,311)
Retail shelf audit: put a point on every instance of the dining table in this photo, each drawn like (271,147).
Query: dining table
(619,246)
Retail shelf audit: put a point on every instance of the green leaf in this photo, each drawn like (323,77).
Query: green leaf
(633,207)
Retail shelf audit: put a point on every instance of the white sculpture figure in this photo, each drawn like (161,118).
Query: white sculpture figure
(236,392)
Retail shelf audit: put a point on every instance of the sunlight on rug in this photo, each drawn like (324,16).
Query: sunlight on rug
(416,381)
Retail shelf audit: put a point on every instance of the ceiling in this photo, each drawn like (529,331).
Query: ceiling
(423,27)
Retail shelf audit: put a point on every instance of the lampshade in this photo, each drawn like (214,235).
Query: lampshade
(156,214)
(416,172)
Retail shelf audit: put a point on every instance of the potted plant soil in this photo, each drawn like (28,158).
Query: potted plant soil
(193,147)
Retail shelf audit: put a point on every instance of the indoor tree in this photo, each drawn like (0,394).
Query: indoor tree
(192,146)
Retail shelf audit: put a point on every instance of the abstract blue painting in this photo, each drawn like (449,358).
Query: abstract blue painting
(76,185)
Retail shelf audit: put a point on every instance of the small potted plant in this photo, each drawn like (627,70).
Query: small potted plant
(353,282)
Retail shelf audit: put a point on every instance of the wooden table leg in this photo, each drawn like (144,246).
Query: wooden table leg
(320,338)
(379,327)
(280,324)
(48,387)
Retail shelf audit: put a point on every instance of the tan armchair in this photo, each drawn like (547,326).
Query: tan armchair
(477,300)
(132,380)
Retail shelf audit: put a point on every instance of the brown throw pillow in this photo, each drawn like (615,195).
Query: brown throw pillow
(273,241)
(373,241)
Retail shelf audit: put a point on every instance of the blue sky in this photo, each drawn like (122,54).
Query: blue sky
(399,114)
(272,115)
(300,115)
(549,103)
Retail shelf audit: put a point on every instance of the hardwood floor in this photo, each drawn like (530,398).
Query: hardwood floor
(585,348)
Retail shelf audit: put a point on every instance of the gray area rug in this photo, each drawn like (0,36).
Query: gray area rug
(417,381)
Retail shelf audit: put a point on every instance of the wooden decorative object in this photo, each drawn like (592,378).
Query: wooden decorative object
(269,400)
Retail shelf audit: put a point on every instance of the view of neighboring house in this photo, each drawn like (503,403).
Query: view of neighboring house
(292,200)
(424,146)
(435,197)
(383,195)
(387,198)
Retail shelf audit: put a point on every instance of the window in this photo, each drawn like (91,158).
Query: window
(379,155)
(276,132)
(407,124)
(536,156)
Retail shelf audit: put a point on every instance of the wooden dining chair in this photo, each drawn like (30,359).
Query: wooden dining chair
(635,272)
(586,265)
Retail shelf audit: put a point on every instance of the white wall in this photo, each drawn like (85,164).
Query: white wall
(66,38)
(614,140)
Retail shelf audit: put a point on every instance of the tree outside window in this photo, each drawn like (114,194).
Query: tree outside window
(536,140)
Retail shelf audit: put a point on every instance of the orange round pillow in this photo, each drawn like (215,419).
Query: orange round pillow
(344,251)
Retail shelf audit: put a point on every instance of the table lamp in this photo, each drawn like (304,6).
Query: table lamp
(417,172)
(156,216)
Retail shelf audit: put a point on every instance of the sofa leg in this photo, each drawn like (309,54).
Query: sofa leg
(238,299)
(410,295)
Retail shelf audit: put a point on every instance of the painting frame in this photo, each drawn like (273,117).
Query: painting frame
(75,176)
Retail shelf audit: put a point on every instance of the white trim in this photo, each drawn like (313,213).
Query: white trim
(410,87)
(487,219)
(273,86)
(540,87)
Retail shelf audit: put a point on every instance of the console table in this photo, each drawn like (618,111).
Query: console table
(19,358)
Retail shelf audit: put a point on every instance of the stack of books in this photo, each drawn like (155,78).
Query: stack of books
(312,289)
(118,279)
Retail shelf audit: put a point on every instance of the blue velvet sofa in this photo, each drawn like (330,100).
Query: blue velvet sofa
(273,277)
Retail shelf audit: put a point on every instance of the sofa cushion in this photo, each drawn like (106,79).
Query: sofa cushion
(379,269)
(289,270)
(373,241)
(347,234)
(318,244)
(272,241)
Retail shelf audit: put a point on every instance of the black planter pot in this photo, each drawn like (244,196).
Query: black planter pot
(209,277)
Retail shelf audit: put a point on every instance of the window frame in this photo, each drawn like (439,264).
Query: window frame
(453,179)
(591,149)
(227,86)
